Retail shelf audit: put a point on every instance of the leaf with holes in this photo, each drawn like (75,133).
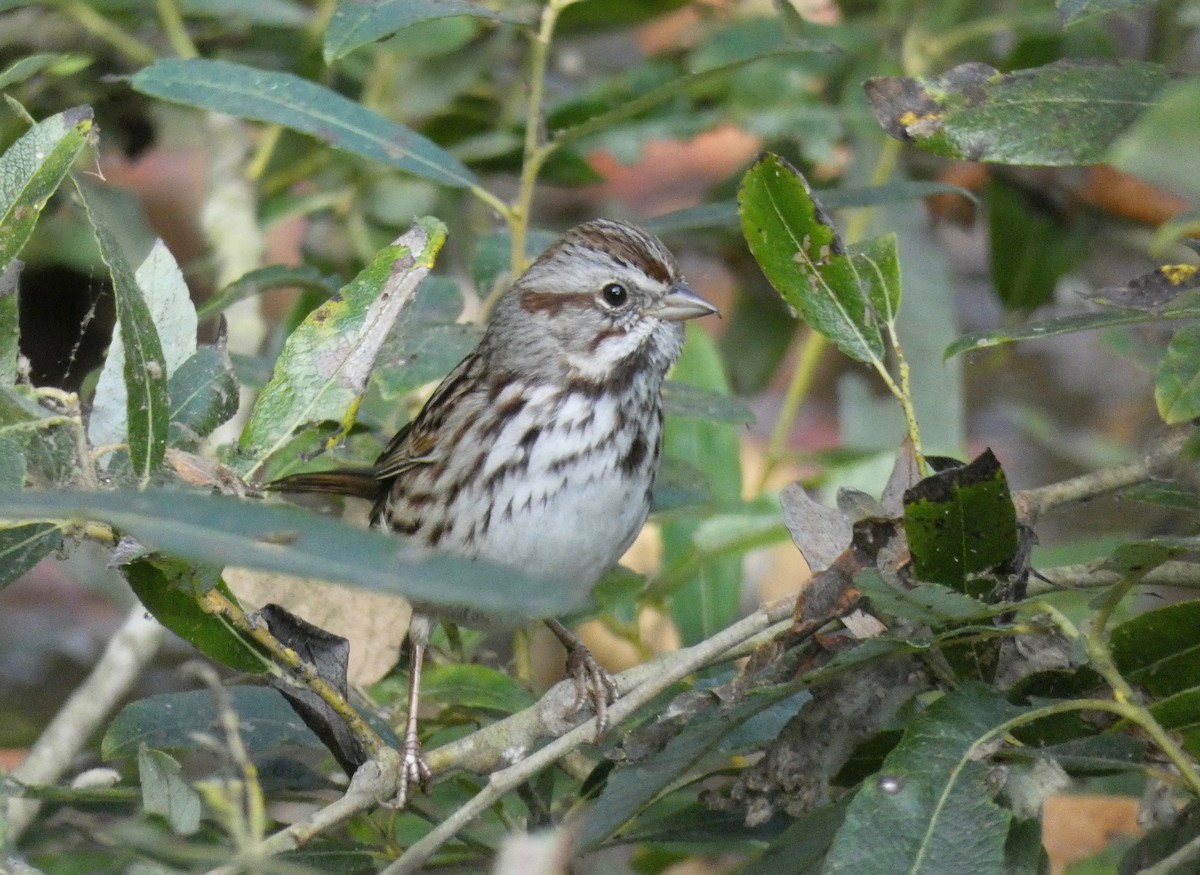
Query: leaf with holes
(795,244)
(147,412)
(162,287)
(323,370)
(1068,112)
(960,522)
(930,809)
(31,170)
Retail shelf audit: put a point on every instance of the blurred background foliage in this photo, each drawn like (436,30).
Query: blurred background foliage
(277,146)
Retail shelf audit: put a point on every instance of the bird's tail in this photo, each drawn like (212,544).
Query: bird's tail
(355,482)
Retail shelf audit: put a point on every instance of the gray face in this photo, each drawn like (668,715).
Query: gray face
(604,295)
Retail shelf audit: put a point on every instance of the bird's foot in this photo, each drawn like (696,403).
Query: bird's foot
(412,770)
(593,684)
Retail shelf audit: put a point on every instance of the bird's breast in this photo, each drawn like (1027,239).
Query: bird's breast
(559,487)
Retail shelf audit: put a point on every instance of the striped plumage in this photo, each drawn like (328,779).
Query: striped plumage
(539,451)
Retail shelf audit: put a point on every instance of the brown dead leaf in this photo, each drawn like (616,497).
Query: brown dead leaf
(374,623)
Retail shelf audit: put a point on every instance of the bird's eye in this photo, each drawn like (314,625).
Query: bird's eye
(615,295)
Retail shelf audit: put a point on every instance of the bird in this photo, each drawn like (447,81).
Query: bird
(539,451)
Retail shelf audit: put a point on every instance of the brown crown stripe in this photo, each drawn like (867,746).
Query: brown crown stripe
(625,243)
(630,249)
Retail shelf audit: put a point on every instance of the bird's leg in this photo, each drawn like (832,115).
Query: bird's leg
(592,683)
(412,767)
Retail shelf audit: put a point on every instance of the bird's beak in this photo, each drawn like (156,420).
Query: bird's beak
(682,303)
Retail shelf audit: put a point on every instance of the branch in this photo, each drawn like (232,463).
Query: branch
(1032,503)
(493,746)
(291,666)
(127,653)
(1093,575)
(659,674)
(1175,862)
(374,780)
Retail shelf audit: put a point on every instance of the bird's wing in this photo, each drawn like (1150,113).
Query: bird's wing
(418,442)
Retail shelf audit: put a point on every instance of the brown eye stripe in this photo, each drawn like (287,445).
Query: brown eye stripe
(551,302)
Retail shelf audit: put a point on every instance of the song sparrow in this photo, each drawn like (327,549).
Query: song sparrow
(539,451)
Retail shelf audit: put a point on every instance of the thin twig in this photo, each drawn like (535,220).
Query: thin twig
(1032,503)
(374,781)
(1174,864)
(1093,575)
(487,748)
(292,666)
(127,653)
(535,152)
(661,674)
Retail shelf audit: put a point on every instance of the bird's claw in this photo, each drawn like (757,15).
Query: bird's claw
(412,770)
(593,684)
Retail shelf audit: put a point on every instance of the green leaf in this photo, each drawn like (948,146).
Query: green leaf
(960,522)
(31,65)
(1175,496)
(10,325)
(1181,713)
(165,293)
(758,333)
(428,342)
(879,268)
(355,23)
(203,393)
(1177,381)
(803,844)
(23,547)
(619,105)
(928,603)
(1164,290)
(473,686)
(1139,558)
(794,243)
(145,368)
(171,721)
(284,99)
(1159,650)
(35,443)
(1030,247)
(165,793)
(930,811)
(1065,113)
(1061,325)
(692,402)
(323,370)
(631,789)
(724,214)
(169,588)
(592,17)
(31,170)
(274,276)
(225,531)
(709,600)
(1073,11)
(492,262)
(1150,149)
(267,13)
